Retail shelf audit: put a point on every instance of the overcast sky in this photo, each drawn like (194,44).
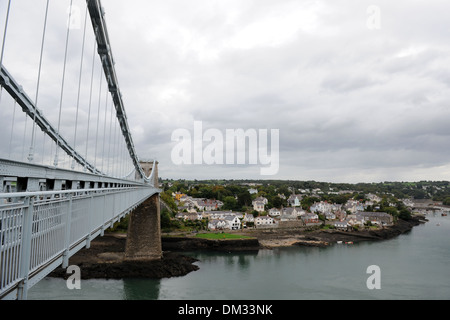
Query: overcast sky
(359,90)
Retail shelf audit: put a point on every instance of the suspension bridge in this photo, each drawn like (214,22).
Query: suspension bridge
(68,165)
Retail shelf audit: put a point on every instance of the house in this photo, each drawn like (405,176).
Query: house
(294,200)
(233,222)
(321,207)
(263,199)
(217,224)
(380,218)
(208,204)
(253,191)
(340,214)
(274,212)
(217,214)
(289,214)
(189,207)
(330,216)
(194,216)
(189,216)
(342,225)
(264,221)
(310,218)
(178,195)
(181,216)
(248,218)
(373,197)
(353,206)
(258,206)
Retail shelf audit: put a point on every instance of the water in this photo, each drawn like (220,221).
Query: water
(415,265)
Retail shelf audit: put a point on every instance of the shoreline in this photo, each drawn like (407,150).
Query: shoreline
(324,238)
(104,260)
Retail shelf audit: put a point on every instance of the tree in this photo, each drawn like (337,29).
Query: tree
(229,203)
(166,196)
(244,198)
(277,202)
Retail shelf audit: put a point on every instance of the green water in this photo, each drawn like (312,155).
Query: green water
(415,265)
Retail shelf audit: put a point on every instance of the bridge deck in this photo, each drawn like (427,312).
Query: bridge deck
(39,231)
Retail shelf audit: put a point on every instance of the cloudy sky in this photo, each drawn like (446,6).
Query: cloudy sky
(359,90)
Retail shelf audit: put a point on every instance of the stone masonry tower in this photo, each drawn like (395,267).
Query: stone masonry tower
(144,228)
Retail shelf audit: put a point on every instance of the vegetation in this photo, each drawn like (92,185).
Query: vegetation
(236,196)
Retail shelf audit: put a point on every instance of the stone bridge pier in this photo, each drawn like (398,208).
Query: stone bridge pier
(144,228)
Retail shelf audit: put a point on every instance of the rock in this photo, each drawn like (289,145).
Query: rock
(105,260)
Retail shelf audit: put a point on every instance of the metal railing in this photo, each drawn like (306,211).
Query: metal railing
(40,230)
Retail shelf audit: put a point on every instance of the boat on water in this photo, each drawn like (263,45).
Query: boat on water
(438,224)
(443,214)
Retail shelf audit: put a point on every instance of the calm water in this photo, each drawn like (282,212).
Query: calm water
(413,266)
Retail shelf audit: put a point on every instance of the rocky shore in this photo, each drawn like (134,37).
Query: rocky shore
(105,257)
(104,260)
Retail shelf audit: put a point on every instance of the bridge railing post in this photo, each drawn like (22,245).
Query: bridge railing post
(65,262)
(25,254)
(90,223)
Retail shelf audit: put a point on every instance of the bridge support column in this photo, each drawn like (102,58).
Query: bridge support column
(144,232)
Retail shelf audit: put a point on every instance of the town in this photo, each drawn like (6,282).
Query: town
(283,206)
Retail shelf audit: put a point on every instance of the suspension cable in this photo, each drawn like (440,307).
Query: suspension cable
(12,128)
(55,163)
(3,43)
(90,105)
(33,130)
(98,118)
(79,86)
(104,129)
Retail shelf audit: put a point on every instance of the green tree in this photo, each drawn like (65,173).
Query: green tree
(229,203)
(244,199)
(166,196)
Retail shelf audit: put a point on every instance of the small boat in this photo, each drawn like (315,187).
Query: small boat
(438,224)
(339,242)
(349,242)
(444,214)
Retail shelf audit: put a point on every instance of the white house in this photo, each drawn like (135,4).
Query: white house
(342,225)
(248,218)
(263,199)
(217,224)
(321,207)
(264,221)
(258,206)
(274,212)
(380,218)
(233,222)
